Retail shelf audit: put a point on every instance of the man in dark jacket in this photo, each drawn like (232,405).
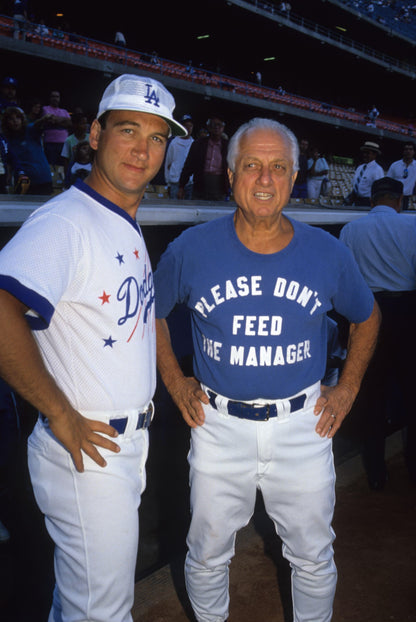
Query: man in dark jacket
(207,162)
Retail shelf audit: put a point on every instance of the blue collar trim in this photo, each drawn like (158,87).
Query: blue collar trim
(81,185)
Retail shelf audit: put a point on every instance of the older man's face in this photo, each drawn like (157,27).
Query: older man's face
(263,178)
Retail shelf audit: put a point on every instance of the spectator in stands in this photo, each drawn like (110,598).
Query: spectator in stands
(372,116)
(364,176)
(25,141)
(20,17)
(79,133)
(34,110)
(120,39)
(41,29)
(8,95)
(189,69)
(202,133)
(207,162)
(176,155)
(82,162)
(58,33)
(155,59)
(9,166)
(317,171)
(285,8)
(300,189)
(405,171)
(56,130)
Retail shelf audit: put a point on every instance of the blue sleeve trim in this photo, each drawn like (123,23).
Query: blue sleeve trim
(31,299)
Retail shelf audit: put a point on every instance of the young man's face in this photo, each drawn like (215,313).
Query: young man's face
(129,153)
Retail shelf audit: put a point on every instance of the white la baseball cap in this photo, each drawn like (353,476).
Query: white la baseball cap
(131,92)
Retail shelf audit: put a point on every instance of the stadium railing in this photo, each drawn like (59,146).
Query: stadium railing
(92,48)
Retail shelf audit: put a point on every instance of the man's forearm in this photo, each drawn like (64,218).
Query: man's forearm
(185,391)
(22,367)
(21,364)
(336,402)
(361,345)
(167,362)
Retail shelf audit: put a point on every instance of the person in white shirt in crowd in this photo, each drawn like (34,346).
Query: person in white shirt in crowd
(120,39)
(176,154)
(80,133)
(365,175)
(404,170)
(317,171)
(372,116)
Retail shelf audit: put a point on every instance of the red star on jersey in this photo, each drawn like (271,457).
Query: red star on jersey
(105,298)
(136,253)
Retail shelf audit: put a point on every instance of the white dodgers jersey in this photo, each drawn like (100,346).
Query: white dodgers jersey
(81,266)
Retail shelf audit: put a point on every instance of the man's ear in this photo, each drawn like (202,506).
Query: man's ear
(294,178)
(230,176)
(95,132)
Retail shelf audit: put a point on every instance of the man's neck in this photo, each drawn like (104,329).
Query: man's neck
(263,236)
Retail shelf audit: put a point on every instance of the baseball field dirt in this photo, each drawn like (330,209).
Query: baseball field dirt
(375,554)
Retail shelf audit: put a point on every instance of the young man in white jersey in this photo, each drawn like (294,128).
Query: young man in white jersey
(77,341)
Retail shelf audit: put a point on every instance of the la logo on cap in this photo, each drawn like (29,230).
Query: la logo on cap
(151,96)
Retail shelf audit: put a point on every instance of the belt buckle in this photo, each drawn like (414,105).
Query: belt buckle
(263,406)
(148,415)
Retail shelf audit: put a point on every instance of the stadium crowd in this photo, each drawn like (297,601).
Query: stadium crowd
(24,27)
(44,149)
(397,15)
(393,13)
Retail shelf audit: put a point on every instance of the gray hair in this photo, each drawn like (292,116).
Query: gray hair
(267,124)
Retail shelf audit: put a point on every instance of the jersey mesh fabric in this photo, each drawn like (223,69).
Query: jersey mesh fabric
(81,265)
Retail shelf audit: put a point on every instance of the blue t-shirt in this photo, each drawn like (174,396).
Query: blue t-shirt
(259,322)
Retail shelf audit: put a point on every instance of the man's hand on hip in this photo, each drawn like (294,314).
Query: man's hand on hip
(332,407)
(77,434)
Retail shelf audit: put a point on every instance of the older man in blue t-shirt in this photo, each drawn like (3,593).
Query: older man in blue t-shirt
(258,286)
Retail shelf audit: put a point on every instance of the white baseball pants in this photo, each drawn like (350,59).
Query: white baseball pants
(230,458)
(93,519)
